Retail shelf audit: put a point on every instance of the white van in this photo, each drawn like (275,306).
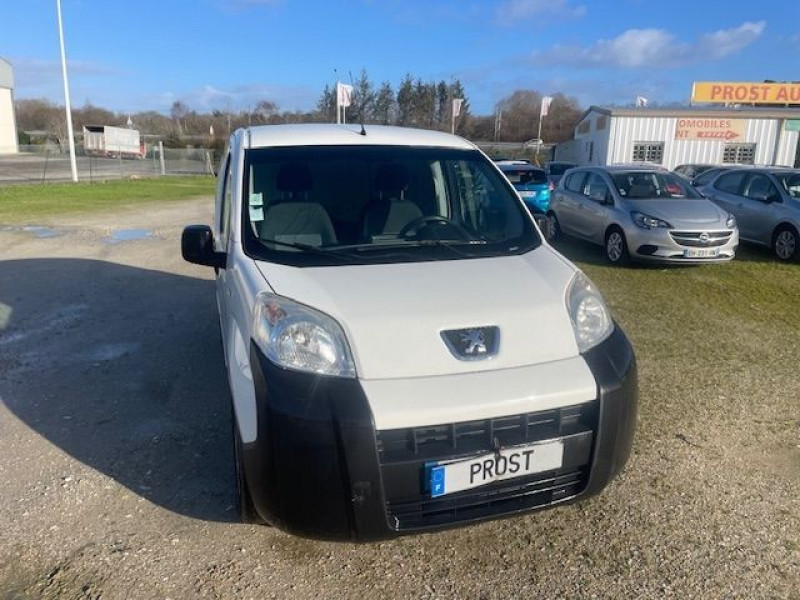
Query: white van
(405,352)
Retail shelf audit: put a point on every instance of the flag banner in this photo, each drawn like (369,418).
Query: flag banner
(457,102)
(641,101)
(344,94)
(546,100)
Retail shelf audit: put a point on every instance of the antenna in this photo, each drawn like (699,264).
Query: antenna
(360,108)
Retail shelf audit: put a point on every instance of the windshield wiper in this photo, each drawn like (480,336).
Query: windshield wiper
(335,252)
(411,244)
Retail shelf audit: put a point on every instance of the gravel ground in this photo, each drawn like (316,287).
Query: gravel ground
(116,465)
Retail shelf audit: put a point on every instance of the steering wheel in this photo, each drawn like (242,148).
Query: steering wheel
(413,227)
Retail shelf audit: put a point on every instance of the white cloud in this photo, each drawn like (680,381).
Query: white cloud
(511,11)
(209,97)
(652,48)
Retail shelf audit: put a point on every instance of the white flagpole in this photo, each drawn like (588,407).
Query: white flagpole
(70,134)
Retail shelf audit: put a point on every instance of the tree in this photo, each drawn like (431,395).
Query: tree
(264,110)
(520,115)
(383,105)
(363,96)
(326,105)
(405,99)
(178,111)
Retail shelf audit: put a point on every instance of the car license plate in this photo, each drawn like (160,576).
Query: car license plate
(448,478)
(701,252)
(528,194)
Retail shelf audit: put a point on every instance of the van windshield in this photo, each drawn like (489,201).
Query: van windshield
(329,205)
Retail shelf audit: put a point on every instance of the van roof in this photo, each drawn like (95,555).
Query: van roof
(319,134)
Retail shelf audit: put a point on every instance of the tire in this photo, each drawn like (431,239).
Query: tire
(242,499)
(785,243)
(552,229)
(616,247)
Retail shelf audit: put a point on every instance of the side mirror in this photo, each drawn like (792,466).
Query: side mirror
(197,246)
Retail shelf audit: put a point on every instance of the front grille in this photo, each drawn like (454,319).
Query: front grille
(404,454)
(692,238)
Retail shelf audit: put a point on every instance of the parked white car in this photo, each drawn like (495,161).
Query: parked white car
(404,351)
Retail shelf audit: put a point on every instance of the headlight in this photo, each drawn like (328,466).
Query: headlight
(590,318)
(297,337)
(647,222)
(731,222)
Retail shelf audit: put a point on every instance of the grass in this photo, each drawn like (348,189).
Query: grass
(32,203)
(716,344)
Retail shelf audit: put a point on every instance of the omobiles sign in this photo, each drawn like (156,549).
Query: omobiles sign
(703,128)
(746,93)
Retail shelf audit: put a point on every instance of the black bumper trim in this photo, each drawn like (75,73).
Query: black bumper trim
(315,469)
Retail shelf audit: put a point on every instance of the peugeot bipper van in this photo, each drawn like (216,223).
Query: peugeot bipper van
(405,352)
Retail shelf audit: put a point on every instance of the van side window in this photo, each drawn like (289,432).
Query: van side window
(226,197)
(574,182)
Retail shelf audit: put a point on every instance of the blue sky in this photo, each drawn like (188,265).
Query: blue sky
(131,56)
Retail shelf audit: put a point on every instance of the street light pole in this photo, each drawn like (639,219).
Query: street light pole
(70,134)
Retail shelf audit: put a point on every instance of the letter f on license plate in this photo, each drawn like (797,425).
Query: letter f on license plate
(519,461)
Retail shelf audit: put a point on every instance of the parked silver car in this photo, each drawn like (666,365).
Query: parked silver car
(766,204)
(641,213)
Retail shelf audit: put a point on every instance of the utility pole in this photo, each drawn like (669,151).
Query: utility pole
(70,133)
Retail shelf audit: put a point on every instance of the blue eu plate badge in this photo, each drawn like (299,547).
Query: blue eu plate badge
(437,482)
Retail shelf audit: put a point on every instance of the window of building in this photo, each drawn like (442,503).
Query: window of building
(652,152)
(739,154)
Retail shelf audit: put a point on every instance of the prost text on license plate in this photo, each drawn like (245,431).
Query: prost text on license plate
(448,478)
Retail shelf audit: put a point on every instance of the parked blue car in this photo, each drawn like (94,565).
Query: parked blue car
(531,182)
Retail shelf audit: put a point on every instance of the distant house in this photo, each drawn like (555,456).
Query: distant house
(8,121)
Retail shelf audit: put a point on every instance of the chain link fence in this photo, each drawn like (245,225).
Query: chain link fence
(50,163)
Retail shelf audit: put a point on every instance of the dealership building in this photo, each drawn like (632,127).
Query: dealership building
(8,122)
(675,136)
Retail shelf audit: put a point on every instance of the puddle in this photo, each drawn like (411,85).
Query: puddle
(42,232)
(38,231)
(128,235)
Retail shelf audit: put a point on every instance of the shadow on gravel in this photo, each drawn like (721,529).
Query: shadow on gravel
(122,368)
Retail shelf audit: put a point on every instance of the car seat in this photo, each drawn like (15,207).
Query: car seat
(293,218)
(390,212)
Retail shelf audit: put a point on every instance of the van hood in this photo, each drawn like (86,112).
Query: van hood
(682,212)
(393,314)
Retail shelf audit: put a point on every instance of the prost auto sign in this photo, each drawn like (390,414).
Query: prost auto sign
(709,129)
(746,93)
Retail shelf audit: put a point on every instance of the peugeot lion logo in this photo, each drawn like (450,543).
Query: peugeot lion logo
(475,340)
(704,237)
(473,343)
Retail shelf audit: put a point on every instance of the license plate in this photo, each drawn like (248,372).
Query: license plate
(528,194)
(701,252)
(448,478)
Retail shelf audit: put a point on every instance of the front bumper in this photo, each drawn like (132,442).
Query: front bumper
(671,246)
(319,468)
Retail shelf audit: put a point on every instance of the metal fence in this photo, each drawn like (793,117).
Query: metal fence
(50,163)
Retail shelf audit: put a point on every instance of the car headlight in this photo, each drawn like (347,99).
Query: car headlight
(731,222)
(590,318)
(647,222)
(298,337)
